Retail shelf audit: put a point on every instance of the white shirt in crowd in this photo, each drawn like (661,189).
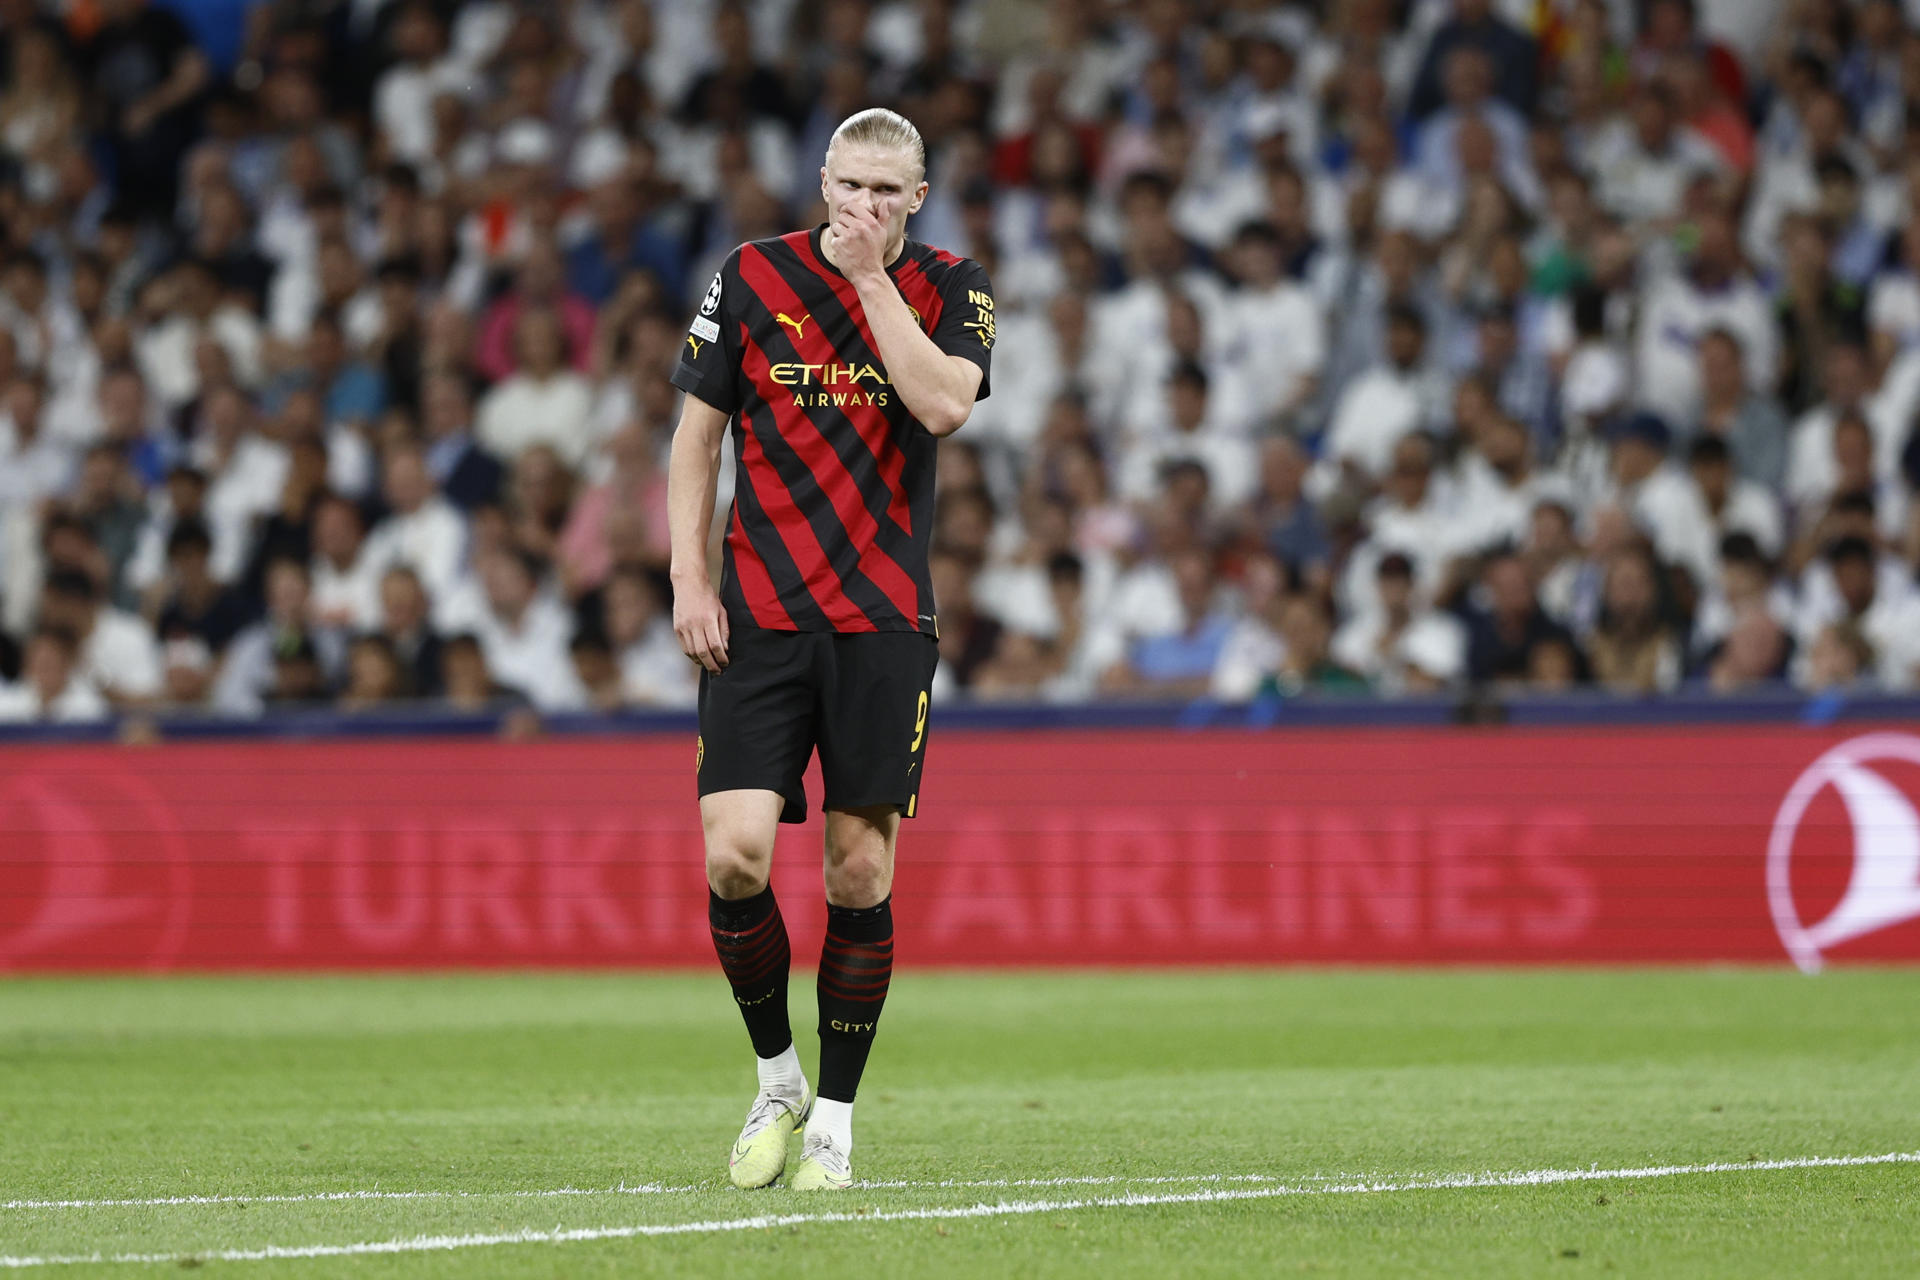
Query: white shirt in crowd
(1678,313)
(521,412)
(655,672)
(529,655)
(431,541)
(1376,410)
(120,654)
(77,703)
(1276,340)
(348,592)
(1642,185)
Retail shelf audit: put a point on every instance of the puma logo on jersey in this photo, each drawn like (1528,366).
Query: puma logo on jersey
(695,344)
(795,325)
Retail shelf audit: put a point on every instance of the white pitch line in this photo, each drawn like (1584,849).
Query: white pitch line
(637,1189)
(1002,1209)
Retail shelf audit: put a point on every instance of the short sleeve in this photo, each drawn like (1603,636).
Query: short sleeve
(709,364)
(966,318)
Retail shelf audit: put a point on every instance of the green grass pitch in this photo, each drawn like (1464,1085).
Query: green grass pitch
(1307,1092)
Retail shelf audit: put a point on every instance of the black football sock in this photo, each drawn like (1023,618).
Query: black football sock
(855,967)
(751,939)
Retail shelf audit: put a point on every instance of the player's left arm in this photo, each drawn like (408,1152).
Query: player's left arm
(938,389)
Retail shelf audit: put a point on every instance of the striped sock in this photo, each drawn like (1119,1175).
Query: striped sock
(751,940)
(855,967)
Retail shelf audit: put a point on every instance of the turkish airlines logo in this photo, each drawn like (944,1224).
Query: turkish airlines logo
(94,872)
(1882,885)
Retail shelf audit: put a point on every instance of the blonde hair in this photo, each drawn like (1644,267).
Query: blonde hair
(879,127)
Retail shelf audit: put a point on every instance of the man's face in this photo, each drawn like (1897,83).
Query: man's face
(286,592)
(1412,468)
(1742,580)
(1509,588)
(1304,628)
(1404,343)
(190,563)
(444,407)
(1282,470)
(1651,122)
(1188,401)
(1713,476)
(1396,591)
(336,532)
(1720,370)
(884,181)
(1846,375)
(1634,459)
(509,585)
(1853,453)
(407,483)
(402,602)
(1854,577)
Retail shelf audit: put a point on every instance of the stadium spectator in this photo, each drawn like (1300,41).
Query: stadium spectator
(1754,654)
(523,631)
(405,624)
(1508,626)
(115,651)
(1634,649)
(541,401)
(345,579)
(1754,428)
(651,669)
(1179,662)
(421,530)
(195,603)
(465,474)
(249,673)
(1475,25)
(51,686)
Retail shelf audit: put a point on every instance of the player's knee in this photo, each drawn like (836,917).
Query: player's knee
(738,861)
(736,874)
(860,878)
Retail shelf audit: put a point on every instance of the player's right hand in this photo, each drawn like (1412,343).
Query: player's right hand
(701,623)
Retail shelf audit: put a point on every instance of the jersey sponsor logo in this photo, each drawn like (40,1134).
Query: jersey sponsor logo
(846,378)
(795,325)
(705,329)
(711,303)
(806,375)
(982,323)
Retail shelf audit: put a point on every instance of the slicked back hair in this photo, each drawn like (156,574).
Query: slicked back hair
(879,127)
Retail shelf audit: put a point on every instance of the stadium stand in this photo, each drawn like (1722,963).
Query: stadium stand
(1380,347)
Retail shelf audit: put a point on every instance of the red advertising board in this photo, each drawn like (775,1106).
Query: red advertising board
(1413,846)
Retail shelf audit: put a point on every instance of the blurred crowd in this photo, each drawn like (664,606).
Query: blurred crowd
(1362,345)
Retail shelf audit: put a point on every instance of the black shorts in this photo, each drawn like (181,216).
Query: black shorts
(861,699)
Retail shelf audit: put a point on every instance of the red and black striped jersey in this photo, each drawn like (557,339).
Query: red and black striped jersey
(833,491)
